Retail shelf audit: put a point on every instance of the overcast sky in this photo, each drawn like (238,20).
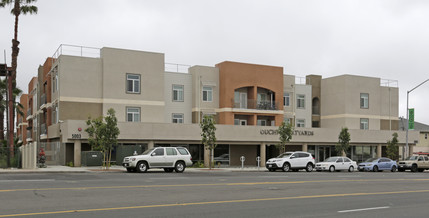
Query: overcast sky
(387,39)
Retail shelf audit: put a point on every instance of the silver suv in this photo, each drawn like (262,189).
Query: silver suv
(168,158)
(292,161)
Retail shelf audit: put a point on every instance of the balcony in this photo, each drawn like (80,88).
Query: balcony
(43,101)
(256,105)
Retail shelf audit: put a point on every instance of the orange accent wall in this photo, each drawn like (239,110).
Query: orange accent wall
(234,75)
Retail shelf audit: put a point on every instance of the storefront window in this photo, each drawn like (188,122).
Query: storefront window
(221,155)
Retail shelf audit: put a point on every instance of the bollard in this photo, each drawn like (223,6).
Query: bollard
(242,159)
(258,159)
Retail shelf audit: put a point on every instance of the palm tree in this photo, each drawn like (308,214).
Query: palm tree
(3,104)
(24,7)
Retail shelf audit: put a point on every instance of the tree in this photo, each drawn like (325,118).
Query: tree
(285,134)
(392,147)
(103,135)
(343,141)
(20,7)
(208,134)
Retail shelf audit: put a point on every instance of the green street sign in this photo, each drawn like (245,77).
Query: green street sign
(411,118)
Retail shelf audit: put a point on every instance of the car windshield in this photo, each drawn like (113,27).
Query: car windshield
(371,159)
(331,159)
(148,151)
(284,155)
(412,158)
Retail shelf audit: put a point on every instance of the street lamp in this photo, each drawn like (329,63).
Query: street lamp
(406,138)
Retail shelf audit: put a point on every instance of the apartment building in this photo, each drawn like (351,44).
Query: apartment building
(157,106)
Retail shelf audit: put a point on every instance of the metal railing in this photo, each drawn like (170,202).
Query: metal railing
(76,50)
(389,83)
(178,68)
(257,105)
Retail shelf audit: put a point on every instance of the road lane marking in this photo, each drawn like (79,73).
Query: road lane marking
(363,209)
(213,202)
(29,180)
(213,184)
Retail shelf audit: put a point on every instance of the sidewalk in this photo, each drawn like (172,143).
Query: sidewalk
(120,169)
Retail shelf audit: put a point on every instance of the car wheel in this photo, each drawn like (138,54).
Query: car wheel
(414,168)
(168,170)
(142,167)
(401,170)
(286,167)
(309,167)
(375,169)
(130,170)
(393,169)
(180,167)
(351,169)
(331,169)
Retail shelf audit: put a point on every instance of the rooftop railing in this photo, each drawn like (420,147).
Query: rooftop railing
(76,50)
(389,83)
(178,68)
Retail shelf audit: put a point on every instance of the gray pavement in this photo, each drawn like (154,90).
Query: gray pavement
(66,169)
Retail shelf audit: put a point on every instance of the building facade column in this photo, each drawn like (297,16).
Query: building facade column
(77,153)
(263,151)
(150,145)
(411,148)
(379,150)
(305,147)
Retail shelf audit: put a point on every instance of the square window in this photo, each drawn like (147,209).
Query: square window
(178,92)
(207,93)
(364,123)
(261,122)
(300,101)
(300,123)
(364,100)
(133,83)
(177,118)
(133,114)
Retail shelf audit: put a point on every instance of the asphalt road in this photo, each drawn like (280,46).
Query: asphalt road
(215,194)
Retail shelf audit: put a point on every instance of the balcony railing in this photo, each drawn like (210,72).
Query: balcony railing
(43,129)
(42,99)
(256,105)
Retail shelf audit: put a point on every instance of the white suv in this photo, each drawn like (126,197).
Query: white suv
(291,161)
(168,158)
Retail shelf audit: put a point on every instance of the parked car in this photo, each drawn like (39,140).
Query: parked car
(291,161)
(222,159)
(337,163)
(168,158)
(378,164)
(414,163)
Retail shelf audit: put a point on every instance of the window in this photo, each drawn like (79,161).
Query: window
(55,114)
(287,120)
(304,155)
(178,92)
(426,158)
(347,160)
(182,151)
(300,123)
(133,83)
(261,123)
(286,99)
(426,136)
(300,101)
(207,93)
(159,152)
(171,151)
(177,118)
(133,114)
(236,122)
(364,97)
(364,123)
